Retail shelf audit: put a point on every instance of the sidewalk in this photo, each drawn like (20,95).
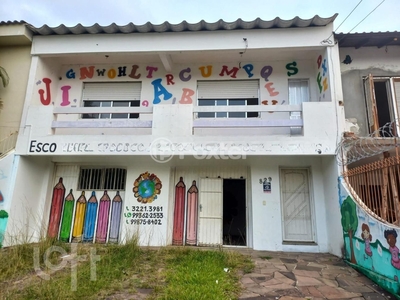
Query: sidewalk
(284,276)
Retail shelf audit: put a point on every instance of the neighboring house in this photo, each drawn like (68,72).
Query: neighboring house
(15,59)
(199,134)
(370,186)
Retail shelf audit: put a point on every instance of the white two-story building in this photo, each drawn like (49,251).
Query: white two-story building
(186,134)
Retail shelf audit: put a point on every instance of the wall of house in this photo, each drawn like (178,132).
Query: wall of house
(28,210)
(6,179)
(263,207)
(370,244)
(267,210)
(16,61)
(365,61)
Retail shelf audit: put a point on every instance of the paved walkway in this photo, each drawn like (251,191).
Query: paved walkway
(284,276)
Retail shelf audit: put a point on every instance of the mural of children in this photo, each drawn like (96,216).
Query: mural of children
(367,237)
(391,237)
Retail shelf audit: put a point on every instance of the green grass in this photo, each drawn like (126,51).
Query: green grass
(171,273)
(197,274)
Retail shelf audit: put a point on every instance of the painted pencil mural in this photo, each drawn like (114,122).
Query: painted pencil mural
(179,213)
(116,211)
(90,218)
(191,216)
(79,218)
(102,219)
(56,209)
(67,215)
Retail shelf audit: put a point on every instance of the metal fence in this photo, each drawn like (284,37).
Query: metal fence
(377,185)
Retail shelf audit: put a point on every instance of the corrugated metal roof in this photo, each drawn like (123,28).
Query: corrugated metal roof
(184,26)
(13,22)
(368,39)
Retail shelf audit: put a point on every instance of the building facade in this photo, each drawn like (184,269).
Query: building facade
(185,134)
(15,61)
(369,185)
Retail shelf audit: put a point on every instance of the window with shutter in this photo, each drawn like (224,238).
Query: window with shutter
(228,93)
(111,94)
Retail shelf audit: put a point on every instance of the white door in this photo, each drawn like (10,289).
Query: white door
(296,206)
(210,211)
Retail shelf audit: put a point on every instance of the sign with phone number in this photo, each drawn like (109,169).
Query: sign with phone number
(144,215)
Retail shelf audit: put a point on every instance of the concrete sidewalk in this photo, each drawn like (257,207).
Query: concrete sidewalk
(283,275)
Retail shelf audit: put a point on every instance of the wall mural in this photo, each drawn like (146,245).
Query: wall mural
(3,225)
(160,84)
(322,76)
(91,221)
(191,216)
(146,187)
(370,245)
(179,213)
(56,209)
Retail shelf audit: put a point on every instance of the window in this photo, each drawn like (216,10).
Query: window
(102,179)
(299,92)
(382,97)
(227,93)
(111,94)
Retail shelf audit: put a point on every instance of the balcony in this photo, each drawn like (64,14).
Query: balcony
(289,118)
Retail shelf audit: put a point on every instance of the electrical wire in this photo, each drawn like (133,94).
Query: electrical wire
(327,39)
(349,15)
(367,16)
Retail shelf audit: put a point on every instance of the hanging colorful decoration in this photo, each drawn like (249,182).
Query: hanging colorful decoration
(102,219)
(146,187)
(56,208)
(116,211)
(66,221)
(179,213)
(90,218)
(79,218)
(191,216)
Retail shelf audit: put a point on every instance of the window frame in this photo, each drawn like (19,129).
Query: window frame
(102,180)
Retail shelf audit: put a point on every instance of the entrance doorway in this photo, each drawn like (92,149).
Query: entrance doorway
(234,212)
(222,212)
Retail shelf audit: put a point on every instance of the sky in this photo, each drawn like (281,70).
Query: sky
(105,12)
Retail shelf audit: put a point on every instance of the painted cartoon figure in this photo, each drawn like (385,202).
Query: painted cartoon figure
(367,237)
(391,237)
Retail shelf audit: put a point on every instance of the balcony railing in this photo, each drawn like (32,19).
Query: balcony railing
(289,116)
(261,121)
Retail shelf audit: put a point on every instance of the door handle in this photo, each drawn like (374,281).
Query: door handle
(201,208)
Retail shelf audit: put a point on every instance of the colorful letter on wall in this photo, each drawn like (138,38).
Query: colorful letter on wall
(79,218)
(56,208)
(160,90)
(266,72)
(249,68)
(231,72)
(291,67)
(102,222)
(116,211)
(191,216)
(179,213)
(86,72)
(90,218)
(47,100)
(203,71)
(66,221)
(186,96)
(65,95)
